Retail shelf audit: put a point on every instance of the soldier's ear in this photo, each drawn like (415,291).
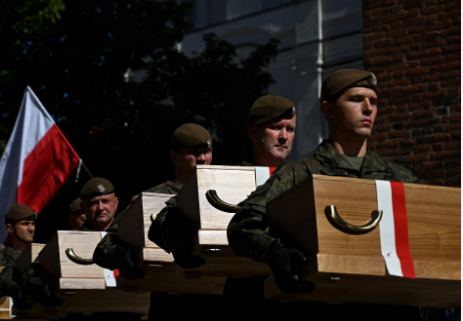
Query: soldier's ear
(173,156)
(327,110)
(9,227)
(252,131)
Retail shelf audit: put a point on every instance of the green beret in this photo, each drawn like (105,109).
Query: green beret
(20,212)
(191,135)
(75,206)
(339,81)
(97,186)
(269,107)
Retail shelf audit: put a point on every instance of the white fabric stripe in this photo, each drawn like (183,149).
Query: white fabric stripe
(262,175)
(32,123)
(11,308)
(386,228)
(108,274)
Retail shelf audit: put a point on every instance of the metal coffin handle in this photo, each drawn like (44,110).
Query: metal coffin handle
(215,201)
(77,259)
(339,223)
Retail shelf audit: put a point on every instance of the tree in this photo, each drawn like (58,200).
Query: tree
(80,68)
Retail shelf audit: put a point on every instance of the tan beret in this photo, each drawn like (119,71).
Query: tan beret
(339,81)
(20,212)
(267,108)
(75,206)
(97,186)
(191,135)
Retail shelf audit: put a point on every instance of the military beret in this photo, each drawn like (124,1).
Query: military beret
(190,135)
(339,81)
(20,212)
(267,108)
(97,186)
(75,206)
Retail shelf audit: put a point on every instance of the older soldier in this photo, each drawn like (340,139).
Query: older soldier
(20,223)
(349,102)
(76,216)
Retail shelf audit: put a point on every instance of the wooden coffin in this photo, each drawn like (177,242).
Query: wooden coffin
(350,267)
(81,283)
(134,226)
(232,184)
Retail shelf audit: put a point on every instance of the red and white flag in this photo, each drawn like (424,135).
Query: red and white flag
(37,160)
(263,173)
(393,229)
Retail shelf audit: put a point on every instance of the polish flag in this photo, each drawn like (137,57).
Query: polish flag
(263,173)
(393,229)
(37,160)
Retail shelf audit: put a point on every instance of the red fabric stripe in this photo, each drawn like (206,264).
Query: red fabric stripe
(401,229)
(271,170)
(46,169)
(115,273)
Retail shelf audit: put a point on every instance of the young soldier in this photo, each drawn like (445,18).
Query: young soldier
(20,222)
(349,102)
(76,216)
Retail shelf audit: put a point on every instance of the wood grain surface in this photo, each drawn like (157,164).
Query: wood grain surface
(156,255)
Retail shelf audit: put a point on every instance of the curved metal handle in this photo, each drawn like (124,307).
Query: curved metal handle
(342,225)
(77,259)
(214,200)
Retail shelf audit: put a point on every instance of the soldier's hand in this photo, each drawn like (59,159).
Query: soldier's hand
(45,293)
(18,297)
(128,263)
(284,263)
(182,254)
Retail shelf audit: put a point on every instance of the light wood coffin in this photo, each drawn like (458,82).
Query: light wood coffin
(232,184)
(350,268)
(81,283)
(134,226)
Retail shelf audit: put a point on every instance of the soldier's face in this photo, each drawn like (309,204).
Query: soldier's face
(22,230)
(273,140)
(187,158)
(100,210)
(354,113)
(77,219)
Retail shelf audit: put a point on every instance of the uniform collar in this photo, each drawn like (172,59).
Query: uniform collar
(174,186)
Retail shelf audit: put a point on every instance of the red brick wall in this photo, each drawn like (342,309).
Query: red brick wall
(413,47)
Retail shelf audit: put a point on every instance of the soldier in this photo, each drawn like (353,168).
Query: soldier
(20,223)
(76,216)
(349,102)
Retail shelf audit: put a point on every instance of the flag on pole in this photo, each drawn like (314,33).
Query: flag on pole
(37,160)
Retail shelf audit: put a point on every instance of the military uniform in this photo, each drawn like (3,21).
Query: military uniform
(8,257)
(169,187)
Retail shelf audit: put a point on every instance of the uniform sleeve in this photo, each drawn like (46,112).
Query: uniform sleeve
(249,231)
(161,227)
(6,278)
(32,274)
(105,252)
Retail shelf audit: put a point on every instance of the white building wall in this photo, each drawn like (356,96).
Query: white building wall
(297,70)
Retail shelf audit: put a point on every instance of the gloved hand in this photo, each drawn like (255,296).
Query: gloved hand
(128,263)
(43,290)
(284,263)
(19,300)
(181,250)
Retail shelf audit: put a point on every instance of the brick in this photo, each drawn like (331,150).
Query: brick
(397,16)
(385,110)
(452,57)
(401,108)
(367,46)
(434,69)
(438,128)
(383,60)
(431,9)
(414,21)
(383,127)
(417,71)
(414,63)
(419,114)
(435,42)
(413,30)
(453,163)
(401,65)
(407,142)
(393,50)
(400,134)
(453,40)
(435,51)
(398,152)
(400,82)
(435,77)
(433,165)
(399,100)
(397,25)
(422,148)
(372,145)
(378,136)
(453,172)
(397,33)
(451,48)
(433,34)
(382,153)
(434,86)
(455,109)
(399,58)
(432,60)
(453,181)
(416,158)
(415,88)
(453,145)
(374,53)
(369,62)
(453,74)
(374,36)
(431,18)
(443,16)
(438,103)
(454,118)
(450,32)
(440,155)
(416,37)
(436,182)
(418,96)
(417,54)
(384,77)
(399,74)
(437,147)
(434,94)
(380,118)
(395,117)
(415,123)
(420,105)
(397,91)
(453,91)
(384,27)
(387,144)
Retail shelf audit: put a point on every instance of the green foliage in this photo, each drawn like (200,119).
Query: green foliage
(121,127)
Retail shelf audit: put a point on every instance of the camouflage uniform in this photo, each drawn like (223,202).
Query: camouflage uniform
(8,257)
(248,231)
(169,187)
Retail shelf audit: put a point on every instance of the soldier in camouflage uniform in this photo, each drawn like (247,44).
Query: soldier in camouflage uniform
(348,100)
(20,222)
